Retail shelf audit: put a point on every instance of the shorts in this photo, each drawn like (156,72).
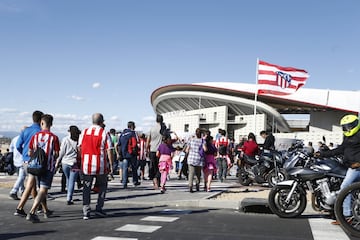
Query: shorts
(45,180)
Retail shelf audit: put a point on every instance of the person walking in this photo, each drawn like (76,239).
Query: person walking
(22,145)
(165,153)
(142,156)
(128,142)
(152,144)
(49,142)
(194,160)
(183,166)
(95,148)
(18,163)
(68,158)
(114,141)
(350,149)
(222,158)
(210,162)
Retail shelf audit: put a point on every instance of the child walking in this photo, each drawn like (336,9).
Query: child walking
(210,163)
(164,153)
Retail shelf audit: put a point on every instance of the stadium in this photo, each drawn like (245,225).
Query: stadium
(308,114)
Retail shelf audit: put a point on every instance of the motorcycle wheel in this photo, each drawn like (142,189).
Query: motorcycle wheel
(244,178)
(294,208)
(351,224)
(272,179)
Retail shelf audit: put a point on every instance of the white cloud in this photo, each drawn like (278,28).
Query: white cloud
(149,118)
(114,118)
(77,98)
(24,114)
(146,123)
(7,110)
(96,85)
(9,8)
(14,120)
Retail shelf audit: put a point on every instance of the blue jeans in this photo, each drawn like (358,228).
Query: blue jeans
(71,177)
(116,166)
(133,162)
(124,166)
(19,184)
(352,175)
(222,168)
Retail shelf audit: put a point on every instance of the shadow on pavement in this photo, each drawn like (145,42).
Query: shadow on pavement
(6,236)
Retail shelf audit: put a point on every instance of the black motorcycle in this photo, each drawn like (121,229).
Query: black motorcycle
(299,158)
(265,168)
(322,177)
(351,224)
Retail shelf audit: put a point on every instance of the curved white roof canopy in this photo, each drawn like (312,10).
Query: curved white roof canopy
(240,99)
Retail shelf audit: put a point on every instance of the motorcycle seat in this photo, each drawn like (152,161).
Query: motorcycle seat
(250,160)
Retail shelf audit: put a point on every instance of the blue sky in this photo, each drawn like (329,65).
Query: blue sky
(73,58)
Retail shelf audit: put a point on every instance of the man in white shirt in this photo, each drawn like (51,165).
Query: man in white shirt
(152,144)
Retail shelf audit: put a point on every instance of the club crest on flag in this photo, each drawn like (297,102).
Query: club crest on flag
(278,80)
(283,79)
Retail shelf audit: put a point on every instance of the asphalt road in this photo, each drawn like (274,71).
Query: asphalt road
(161,222)
(142,213)
(152,223)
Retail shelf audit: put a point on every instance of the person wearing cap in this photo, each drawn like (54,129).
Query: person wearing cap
(95,150)
(68,158)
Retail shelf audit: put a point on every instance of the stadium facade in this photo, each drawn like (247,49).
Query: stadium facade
(236,108)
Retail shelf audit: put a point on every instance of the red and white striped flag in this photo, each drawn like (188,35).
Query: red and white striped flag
(277,80)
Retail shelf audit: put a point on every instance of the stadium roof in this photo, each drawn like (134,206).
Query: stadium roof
(240,99)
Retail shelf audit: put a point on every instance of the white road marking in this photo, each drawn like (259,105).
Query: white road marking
(175,211)
(112,238)
(138,228)
(322,229)
(159,219)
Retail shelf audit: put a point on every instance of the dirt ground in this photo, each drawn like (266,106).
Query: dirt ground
(242,192)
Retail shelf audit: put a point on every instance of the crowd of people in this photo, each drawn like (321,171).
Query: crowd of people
(93,155)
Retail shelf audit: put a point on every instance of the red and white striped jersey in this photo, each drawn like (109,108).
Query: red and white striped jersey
(142,149)
(222,141)
(49,142)
(94,142)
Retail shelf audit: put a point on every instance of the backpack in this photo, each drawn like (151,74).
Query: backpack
(222,150)
(133,148)
(37,164)
(128,145)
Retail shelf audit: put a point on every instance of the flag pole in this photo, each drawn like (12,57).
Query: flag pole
(256,93)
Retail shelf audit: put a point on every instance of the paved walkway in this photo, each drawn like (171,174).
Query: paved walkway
(227,195)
